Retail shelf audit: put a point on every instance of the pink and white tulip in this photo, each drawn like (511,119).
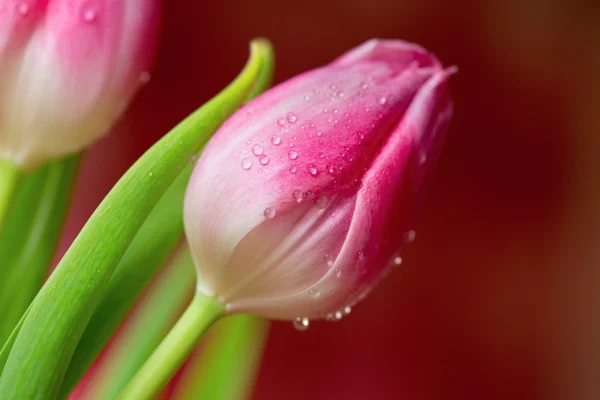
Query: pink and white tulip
(304,198)
(68,69)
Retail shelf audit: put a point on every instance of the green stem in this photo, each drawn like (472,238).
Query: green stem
(173,351)
(9,175)
(227,367)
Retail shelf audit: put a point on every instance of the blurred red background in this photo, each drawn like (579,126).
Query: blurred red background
(498,297)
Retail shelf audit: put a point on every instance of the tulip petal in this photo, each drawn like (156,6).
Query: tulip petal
(76,71)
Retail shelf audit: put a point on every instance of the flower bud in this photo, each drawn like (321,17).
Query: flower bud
(304,198)
(68,69)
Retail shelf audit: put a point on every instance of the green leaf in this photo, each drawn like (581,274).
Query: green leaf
(45,344)
(227,368)
(146,328)
(30,234)
(150,248)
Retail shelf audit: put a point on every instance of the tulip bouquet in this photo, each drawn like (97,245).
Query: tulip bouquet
(297,206)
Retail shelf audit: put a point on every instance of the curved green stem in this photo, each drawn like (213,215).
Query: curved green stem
(9,175)
(173,351)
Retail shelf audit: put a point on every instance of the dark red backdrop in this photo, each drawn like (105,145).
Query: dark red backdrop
(496,298)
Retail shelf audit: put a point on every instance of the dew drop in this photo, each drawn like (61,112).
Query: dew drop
(410,236)
(301,324)
(264,160)
(89,15)
(144,77)
(312,169)
(347,310)
(297,195)
(23,9)
(338,272)
(293,169)
(276,140)
(293,155)
(246,163)
(281,121)
(423,158)
(306,97)
(321,202)
(364,86)
(150,174)
(397,260)
(382,100)
(314,294)
(330,168)
(338,315)
(291,117)
(258,150)
(332,87)
(269,213)
(321,154)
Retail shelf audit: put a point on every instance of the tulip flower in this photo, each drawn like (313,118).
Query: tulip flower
(68,69)
(304,198)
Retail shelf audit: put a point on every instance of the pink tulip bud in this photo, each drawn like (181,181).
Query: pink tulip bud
(68,69)
(305,197)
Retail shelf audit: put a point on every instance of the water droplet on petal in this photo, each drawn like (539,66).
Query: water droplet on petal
(398,260)
(246,163)
(321,202)
(423,158)
(23,9)
(276,140)
(314,294)
(306,97)
(150,174)
(330,168)
(338,272)
(291,117)
(410,236)
(269,213)
(338,315)
(364,86)
(281,121)
(297,195)
(347,310)
(312,170)
(258,150)
(293,155)
(301,324)
(144,77)
(264,160)
(321,154)
(293,169)
(382,100)
(89,15)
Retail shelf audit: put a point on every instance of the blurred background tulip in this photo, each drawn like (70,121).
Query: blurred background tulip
(68,69)
(498,296)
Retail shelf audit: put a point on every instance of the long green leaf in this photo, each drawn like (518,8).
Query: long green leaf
(150,248)
(148,251)
(43,349)
(30,235)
